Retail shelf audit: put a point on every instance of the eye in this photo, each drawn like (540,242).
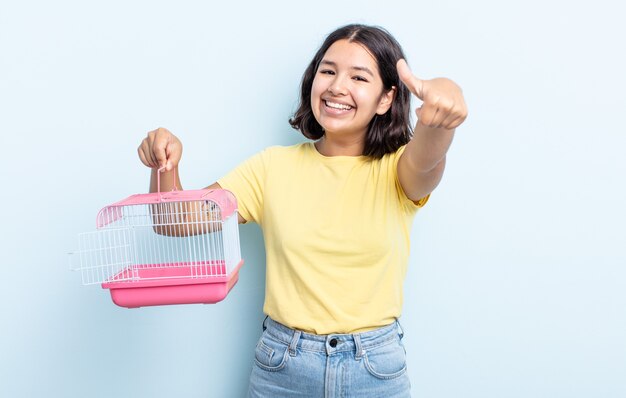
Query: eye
(327,72)
(360,78)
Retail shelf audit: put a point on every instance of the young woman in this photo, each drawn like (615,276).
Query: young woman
(336,215)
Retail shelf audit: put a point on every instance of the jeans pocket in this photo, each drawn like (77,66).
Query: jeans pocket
(271,355)
(387,361)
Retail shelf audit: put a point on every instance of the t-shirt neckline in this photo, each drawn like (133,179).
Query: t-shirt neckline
(336,158)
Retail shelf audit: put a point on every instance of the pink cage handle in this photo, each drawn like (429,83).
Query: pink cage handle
(159,180)
(225,199)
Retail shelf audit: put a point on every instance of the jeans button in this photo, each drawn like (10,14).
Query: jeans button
(333,343)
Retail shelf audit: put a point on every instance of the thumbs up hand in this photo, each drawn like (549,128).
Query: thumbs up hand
(443,103)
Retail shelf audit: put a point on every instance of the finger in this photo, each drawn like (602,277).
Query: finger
(158,149)
(439,118)
(174,153)
(456,122)
(169,161)
(150,150)
(142,157)
(445,110)
(428,114)
(418,113)
(158,141)
(147,153)
(414,84)
(456,116)
(448,122)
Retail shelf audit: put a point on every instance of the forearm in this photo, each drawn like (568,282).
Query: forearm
(181,218)
(428,147)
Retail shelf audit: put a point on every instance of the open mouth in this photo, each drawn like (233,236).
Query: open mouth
(338,106)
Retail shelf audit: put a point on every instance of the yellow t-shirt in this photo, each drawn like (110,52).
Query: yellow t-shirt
(337,235)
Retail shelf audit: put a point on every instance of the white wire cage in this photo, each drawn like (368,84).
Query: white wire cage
(179,247)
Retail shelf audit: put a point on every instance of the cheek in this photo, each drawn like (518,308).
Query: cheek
(316,92)
(316,89)
(365,99)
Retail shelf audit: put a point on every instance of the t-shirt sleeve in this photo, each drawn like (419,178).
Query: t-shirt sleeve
(247,183)
(411,205)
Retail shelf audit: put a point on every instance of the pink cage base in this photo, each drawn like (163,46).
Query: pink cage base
(176,285)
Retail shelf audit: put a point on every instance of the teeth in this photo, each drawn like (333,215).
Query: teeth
(338,106)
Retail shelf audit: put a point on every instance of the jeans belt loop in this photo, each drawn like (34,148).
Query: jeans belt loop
(358,347)
(294,342)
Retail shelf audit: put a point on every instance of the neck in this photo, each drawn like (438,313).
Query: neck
(333,146)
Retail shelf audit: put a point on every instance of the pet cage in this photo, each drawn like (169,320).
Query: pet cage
(178,247)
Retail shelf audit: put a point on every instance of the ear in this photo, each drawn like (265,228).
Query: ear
(386,99)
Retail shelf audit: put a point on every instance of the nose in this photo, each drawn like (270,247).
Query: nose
(337,86)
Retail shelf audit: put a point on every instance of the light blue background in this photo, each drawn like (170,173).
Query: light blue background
(517,281)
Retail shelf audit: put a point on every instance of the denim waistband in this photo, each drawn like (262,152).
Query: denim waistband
(335,342)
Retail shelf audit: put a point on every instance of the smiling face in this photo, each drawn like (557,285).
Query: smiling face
(347,90)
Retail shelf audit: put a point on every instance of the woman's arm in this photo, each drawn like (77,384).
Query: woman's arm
(421,166)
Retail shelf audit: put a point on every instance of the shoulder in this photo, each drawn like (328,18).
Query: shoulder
(390,159)
(272,157)
(284,152)
(286,149)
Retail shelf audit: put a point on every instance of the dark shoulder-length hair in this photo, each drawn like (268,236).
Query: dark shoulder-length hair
(386,133)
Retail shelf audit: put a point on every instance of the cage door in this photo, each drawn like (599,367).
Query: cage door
(106,255)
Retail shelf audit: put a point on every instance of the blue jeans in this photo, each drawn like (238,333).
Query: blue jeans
(291,363)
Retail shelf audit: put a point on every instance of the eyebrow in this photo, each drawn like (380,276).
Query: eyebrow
(361,68)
